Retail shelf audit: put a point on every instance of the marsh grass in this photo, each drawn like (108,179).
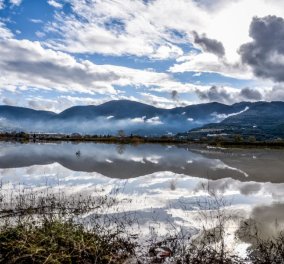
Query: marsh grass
(262,250)
(48,226)
(61,242)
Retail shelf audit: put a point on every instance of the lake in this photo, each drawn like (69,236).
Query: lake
(165,186)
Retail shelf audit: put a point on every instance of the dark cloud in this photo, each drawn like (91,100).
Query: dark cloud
(52,71)
(39,105)
(215,94)
(250,94)
(268,219)
(9,101)
(250,188)
(276,94)
(210,45)
(174,95)
(265,53)
(227,96)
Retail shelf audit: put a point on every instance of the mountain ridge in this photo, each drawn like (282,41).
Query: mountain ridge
(134,117)
(262,120)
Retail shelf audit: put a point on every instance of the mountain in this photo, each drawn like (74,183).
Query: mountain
(22,113)
(119,109)
(138,118)
(264,120)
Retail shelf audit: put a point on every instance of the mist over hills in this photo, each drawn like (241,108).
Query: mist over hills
(264,120)
(138,118)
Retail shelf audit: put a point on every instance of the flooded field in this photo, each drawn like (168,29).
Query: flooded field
(164,189)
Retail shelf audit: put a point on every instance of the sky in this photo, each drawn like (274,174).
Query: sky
(55,54)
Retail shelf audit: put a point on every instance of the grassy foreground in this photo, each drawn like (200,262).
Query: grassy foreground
(48,228)
(59,242)
(66,242)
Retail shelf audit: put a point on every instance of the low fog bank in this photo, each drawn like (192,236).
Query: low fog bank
(105,125)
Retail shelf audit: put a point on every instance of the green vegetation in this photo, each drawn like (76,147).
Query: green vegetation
(234,140)
(48,227)
(60,242)
(121,138)
(44,227)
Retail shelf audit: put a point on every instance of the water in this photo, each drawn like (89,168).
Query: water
(164,185)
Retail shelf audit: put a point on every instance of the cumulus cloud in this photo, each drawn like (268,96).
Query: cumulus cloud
(147,26)
(208,62)
(162,102)
(210,45)
(9,101)
(4,31)
(154,121)
(95,29)
(27,63)
(265,54)
(215,94)
(276,93)
(40,104)
(229,95)
(251,94)
(151,30)
(57,104)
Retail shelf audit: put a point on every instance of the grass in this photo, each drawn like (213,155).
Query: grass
(48,227)
(268,251)
(60,242)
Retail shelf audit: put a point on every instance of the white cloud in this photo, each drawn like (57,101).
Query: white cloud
(60,103)
(27,63)
(40,34)
(221,117)
(16,2)
(206,62)
(2,5)
(138,119)
(156,28)
(154,121)
(4,31)
(162,102)
(54,4)
(36,21)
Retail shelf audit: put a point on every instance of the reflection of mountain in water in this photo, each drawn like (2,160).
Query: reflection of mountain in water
(162,198)
(128,161)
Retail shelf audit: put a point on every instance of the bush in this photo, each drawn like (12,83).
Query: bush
(59,242)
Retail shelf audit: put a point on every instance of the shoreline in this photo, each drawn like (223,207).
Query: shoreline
(137,140)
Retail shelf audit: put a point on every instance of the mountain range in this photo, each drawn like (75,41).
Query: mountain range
(263,120)
(138,118)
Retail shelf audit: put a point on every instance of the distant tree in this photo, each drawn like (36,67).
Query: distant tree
(238,138)
(252,139)
(121,133)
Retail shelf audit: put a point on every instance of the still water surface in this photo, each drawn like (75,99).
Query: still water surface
(160,183)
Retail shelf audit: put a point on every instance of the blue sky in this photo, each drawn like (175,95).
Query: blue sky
(58,53)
